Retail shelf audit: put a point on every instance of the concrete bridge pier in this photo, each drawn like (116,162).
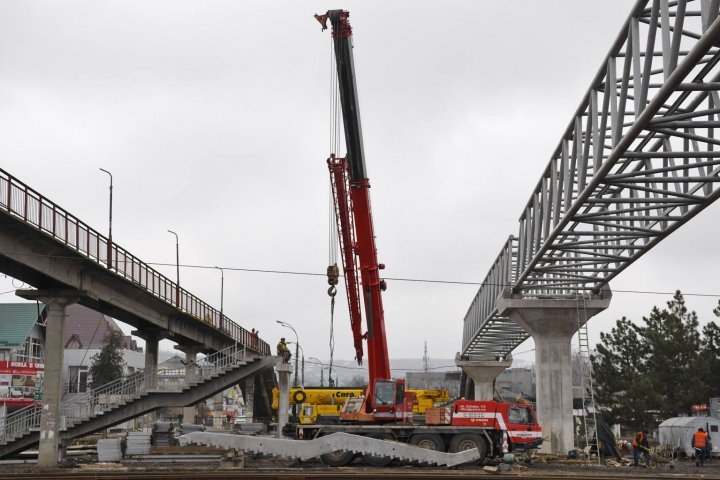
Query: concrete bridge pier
(283,370)
(191,376)
(49,449)
(483,371)
(552,324)
(152,339)
(249,395)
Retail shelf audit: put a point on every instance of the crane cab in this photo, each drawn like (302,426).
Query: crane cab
(390,402)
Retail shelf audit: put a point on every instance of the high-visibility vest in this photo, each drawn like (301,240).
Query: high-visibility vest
(700,439)
(639,438)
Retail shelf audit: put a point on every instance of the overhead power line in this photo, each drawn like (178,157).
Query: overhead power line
(396,279)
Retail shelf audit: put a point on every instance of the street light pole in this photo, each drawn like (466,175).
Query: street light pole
(302,368)
(177,268)
(222,294)
(297,350)
(322,382)
(109,243)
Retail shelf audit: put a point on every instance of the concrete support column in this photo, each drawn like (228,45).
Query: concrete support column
(552,324)
(49,448)
(249,394)
(191,377)
(152,339)
(284,370)
(483,371)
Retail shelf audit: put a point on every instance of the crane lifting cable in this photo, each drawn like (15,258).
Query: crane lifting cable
(333,271)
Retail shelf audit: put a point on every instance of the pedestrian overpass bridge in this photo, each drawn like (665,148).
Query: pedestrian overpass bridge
(637,161)
(67,261)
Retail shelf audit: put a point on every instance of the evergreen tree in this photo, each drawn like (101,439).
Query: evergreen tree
(109,364)
(710,356)
(622,387)
(658,369)
(674,344)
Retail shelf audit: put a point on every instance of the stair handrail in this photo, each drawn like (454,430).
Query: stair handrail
(97,400)
(228,357)
(20,422)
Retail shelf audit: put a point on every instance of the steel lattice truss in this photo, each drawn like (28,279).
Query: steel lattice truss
(636,162)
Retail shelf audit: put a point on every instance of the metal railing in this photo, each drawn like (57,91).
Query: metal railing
(484,331)
(19,422)
(100,400)
(23,203)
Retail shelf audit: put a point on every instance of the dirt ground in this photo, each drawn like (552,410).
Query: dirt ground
(537,467)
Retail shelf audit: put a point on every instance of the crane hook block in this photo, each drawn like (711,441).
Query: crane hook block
(333,274)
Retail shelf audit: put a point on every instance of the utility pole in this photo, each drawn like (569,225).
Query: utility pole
(426,360)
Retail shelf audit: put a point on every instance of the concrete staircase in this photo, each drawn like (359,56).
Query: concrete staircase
(134,395)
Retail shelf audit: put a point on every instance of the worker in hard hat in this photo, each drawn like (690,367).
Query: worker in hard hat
(701,444)
(283,350)
(640,445)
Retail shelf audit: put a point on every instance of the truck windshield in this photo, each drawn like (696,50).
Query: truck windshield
(384,393)
(520,415)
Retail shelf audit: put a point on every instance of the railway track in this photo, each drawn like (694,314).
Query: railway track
(343,473)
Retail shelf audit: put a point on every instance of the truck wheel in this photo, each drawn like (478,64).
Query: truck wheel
(468,441)
(338,458)
(429,441)
(378,460)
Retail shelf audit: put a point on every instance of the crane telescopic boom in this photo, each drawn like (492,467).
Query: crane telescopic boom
(354,215)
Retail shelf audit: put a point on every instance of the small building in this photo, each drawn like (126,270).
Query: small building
(22,353)
(679,431)
(449,381)
(519,382)
(83,337)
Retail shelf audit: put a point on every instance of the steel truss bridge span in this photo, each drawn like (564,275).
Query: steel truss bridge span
(637,160)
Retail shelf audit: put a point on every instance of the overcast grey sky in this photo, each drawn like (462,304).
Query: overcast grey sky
(213,118)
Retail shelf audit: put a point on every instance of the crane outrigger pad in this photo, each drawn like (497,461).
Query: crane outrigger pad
(307,449)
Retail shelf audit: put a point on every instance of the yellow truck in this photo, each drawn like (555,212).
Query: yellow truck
(323,404)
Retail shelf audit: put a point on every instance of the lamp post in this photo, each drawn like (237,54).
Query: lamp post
(222,295)
(322,383)
(177,268)
(109,243)
(302,367)
(297,350)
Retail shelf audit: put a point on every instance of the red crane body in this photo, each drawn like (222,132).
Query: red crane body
(351,189)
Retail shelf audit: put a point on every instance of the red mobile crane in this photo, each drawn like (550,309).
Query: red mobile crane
(351,188)
(385,411)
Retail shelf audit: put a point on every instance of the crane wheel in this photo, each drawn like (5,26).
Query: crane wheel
(429,441)
(379,460)
(338,458)
(468,441)
(299,397)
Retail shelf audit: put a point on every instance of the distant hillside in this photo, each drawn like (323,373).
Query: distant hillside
(345,370)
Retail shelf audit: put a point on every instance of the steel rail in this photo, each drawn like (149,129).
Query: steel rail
(356,472)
